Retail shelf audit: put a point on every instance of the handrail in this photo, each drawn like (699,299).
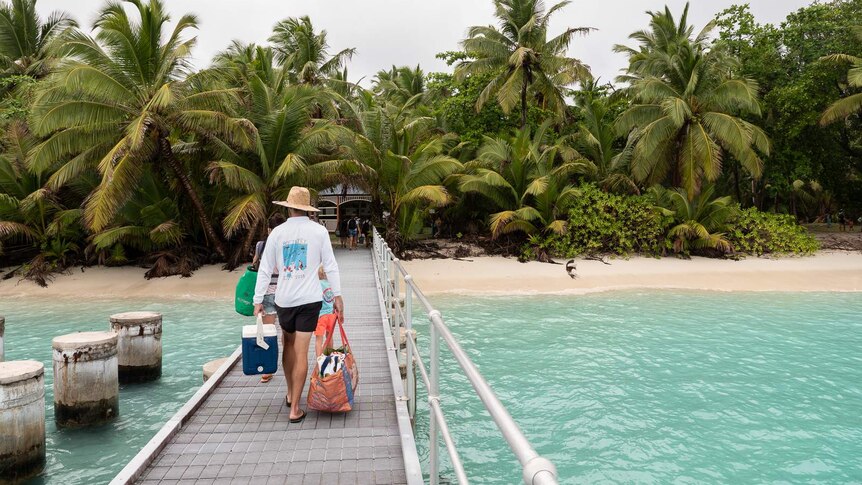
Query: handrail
(537,470)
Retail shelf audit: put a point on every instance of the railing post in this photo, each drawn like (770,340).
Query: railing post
(408,325)
(396,314)
(385,273)
(434,395)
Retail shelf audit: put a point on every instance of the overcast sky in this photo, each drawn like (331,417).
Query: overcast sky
(399,32)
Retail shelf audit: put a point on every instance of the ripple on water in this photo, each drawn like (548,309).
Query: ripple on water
(661,386)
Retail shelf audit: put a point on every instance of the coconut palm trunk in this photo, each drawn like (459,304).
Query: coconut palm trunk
(167,154)
(253,233)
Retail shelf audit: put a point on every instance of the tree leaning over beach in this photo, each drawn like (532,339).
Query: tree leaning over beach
(121,101)
(523,60)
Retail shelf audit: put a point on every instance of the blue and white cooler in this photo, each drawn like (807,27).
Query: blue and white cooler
(259,348)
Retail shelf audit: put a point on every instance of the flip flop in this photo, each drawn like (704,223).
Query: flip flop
(286,402)
(265,378)
(299,419)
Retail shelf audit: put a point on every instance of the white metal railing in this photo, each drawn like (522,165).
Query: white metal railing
(537,470)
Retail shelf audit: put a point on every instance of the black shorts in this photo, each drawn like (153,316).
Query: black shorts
(302,318)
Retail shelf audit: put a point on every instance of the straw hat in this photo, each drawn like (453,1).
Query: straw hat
(299,198)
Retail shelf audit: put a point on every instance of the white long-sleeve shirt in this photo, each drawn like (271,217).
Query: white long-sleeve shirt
(297,248)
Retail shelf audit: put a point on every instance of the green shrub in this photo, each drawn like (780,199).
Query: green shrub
(759,233)
(603,223)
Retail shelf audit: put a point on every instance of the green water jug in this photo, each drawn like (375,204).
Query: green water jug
(244,298)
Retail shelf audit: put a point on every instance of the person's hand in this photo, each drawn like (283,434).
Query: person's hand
(338,306)
(258,309)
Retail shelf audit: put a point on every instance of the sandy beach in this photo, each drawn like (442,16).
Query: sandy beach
(826,271)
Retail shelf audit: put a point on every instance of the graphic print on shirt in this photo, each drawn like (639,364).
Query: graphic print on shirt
(295,259)
(328,296)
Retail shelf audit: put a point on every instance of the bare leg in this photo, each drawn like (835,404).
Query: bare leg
(299,353)
(286,363)
(318,345)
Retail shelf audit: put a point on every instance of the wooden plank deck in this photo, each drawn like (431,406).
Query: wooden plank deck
(239,431)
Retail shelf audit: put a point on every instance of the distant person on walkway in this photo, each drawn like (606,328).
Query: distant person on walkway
(269,314)
(353,231)
(326,319)
(297,248)
(342,232)
(438,223)
(366,229)
(842,220)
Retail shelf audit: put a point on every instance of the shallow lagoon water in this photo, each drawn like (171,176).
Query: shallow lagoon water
(194,332)
(625,387)
(661,387)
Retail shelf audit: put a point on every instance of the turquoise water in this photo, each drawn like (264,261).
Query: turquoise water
(193,333)
(626,387)
(661,387)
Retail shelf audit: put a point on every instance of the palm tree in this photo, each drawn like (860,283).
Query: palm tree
(120,102)
(289,150)
(29,45)
(37,218)
(598,141)
(521,57)
(661,44)
(402,161)
(688,111)
(852,104)
(700,222)
(528,178)
(400,84)
(242,64)
(305,53)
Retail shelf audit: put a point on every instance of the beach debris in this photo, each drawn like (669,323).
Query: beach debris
(597,258)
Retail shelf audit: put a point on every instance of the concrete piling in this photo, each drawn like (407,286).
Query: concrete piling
(86,386)
(212,366)
(22,420)
(2,331)
(139,345)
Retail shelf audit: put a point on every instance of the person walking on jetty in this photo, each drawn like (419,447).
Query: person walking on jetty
(342,232)
(352,231)
(269,314)
(366,230)
(297,248)
(326,319)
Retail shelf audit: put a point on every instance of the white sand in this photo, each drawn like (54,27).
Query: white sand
(209,282)
(827,271)
(838,271)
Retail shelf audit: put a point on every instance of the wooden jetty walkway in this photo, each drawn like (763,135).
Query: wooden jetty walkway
(236,430)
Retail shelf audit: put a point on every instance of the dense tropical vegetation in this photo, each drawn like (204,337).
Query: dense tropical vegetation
(716,140)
